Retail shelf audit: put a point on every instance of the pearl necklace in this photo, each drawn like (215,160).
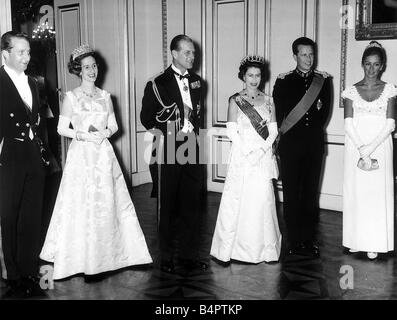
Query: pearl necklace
(90,95)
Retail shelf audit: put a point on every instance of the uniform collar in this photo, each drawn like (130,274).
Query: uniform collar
(177,71)
(304,74)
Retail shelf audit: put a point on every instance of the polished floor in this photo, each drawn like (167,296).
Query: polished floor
(334,276)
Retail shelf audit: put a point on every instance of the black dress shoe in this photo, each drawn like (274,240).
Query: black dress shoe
(315,251)
(191,264)
(12,291)
(167,266)
(30,288)
(202,265)
(224,264)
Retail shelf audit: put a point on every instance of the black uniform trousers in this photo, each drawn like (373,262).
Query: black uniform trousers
(21,191)
(301,161)
(180,195)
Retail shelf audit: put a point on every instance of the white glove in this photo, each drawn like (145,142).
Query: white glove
(352,133)
(388,128)
(111,129)
(89,137)
(104,134)
(63,128)
(273,133)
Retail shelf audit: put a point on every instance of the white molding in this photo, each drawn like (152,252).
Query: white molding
(5,18)
(140,178)
(334,139)
(268,34)
(343,60)
(331,202)
(304,17)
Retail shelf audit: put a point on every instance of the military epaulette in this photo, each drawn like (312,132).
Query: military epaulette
(155,77)
(283,75)
(323,73)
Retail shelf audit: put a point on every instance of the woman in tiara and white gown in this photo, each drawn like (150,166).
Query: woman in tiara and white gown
(94,227)
(368,184)
(247,227)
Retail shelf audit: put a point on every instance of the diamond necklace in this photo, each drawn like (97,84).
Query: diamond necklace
(252,97)
(90,95)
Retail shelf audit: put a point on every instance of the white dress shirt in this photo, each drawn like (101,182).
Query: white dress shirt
(184,89)
(21,83)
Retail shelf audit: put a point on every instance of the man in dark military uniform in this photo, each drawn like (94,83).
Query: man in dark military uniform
(172,109)
(21,169)
(302,98)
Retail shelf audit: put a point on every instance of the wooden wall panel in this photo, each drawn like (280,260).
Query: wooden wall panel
(220,154)
(107,34)
(176,22)
(154,25)
(70,36)
(148,32)
(286,26)
(229,47)
(71,26)
(146,57)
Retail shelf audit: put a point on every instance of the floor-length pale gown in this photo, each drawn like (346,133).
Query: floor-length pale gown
(247,227)
(94,227)
(368,196)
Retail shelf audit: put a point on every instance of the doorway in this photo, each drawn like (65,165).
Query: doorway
(36,19)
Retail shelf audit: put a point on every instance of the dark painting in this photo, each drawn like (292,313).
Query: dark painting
(384,11)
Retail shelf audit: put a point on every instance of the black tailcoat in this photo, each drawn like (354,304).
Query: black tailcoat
(180,185)
(301,152)
(21,181)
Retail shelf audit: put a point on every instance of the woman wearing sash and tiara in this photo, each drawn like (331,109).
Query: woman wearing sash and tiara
(94,227)
(247,227)
(368,197)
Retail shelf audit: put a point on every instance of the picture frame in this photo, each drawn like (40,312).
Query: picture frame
(376,19)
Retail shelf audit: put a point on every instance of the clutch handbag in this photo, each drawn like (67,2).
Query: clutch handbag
(92,128)
(363,166)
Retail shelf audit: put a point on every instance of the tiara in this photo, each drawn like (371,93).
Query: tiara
(83,49)
(253,58)
(374,44)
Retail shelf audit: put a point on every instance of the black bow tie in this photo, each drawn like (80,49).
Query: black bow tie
(186,76)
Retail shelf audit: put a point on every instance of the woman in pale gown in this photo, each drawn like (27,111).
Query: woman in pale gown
(247,227)
(94,227)
(368,195)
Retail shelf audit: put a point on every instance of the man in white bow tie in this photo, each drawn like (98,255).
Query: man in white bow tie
(21,170)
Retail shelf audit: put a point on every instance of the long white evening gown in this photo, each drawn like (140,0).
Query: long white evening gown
(247,227)
(368,196)
(94,227)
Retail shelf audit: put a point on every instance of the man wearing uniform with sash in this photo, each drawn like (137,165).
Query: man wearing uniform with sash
(172,111)
(302,98)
